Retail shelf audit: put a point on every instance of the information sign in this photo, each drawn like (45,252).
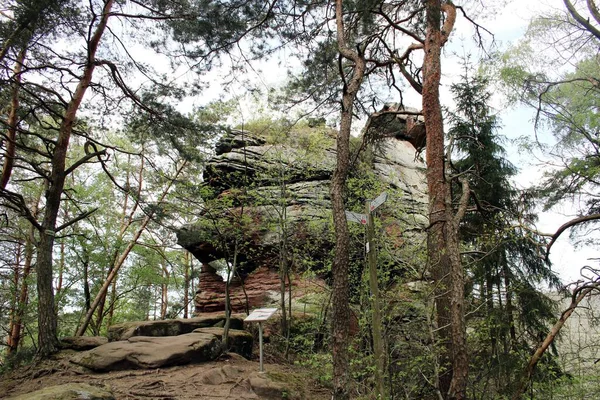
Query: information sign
(260,314)
(356,217)
(378,201)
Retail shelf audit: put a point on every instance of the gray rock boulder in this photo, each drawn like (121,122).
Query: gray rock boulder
(168,327)
(82,343)
(69,391)
(142,352)
(266,388)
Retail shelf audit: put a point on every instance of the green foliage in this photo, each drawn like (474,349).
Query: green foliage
(309,135)
(566,100)
(509,311)
(23,356)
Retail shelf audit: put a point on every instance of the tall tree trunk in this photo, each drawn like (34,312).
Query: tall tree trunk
(509,306)
(341,298)
(112,302)
(97,326)
(439,262)
(14,303)
(164,298)
(61,269)
(283,257)
(458,326)
(86,284)
(376,320)
(442,238)
(126,221)
(231,271)
(489,301)
(16,326)
(186,283)
(47,324)
(12,122)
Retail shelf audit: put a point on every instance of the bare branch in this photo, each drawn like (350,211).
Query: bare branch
(76,219)
(581,291)
(567,225)
(464,201)
(581,20)
(83,160)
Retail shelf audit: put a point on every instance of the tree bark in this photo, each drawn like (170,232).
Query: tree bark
(186,283)
(12,122)
(438,260)
(18,276)
(341,298)
(442,239)
(164,298)
(47,328)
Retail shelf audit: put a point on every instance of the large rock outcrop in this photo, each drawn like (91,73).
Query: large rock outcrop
(265,194)
(169,327)
(147,352)
(151,352)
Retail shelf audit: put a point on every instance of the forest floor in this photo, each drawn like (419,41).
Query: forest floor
(230,377)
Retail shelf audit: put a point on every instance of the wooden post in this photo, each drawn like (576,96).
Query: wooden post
(376,326)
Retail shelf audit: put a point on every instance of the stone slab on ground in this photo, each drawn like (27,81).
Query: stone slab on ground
(168,327)
(240,341)
(82,343)
(266,388)
(69,391)
(221,375)
(151,352)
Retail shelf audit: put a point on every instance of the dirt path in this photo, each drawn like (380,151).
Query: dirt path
(232,378)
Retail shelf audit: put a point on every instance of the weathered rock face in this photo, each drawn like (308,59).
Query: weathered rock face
(286,196)
(168,327)
(81,343)
(151,352)
(146,352)
(261,288)
(239,341)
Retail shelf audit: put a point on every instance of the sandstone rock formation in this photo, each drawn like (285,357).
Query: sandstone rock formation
(145,352)
(151,352)
(81,343)
(168,327)
(286,200)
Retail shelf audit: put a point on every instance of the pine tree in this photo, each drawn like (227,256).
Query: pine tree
(507,257)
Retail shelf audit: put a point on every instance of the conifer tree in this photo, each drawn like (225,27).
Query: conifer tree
(507,255)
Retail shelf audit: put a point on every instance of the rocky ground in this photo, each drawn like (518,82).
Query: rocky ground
(168,359)
(229,377)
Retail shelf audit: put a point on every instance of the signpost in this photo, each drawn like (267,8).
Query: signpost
(260,315)
(356,217)
(379,200)
(371,251)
